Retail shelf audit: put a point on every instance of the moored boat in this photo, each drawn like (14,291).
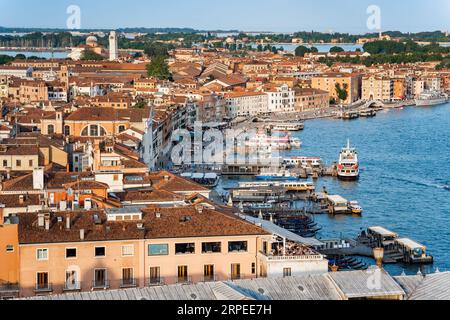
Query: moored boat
(431,98)
(348,167)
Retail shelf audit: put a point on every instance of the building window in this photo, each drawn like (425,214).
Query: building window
(253,268)
(237,246)
(208,272)
(155,275)
(183,274)
(121,129)
(211,247)
(128,250)
(185,248)
(128,277)
(100,251)
(5,163)
(158,249)
(18,163)
(235,271)
(71,253)
(100,278)
(30,163)
(66,130)
(42,254)
(42,281)
(287,272)
(9,248)
(93,131)
(50,129)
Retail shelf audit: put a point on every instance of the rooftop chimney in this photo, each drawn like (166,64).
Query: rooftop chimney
(47,221)
(38,178)
(40,220)
(82,234)
(68,221)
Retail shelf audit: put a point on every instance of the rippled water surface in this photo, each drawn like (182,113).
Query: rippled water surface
(405,160)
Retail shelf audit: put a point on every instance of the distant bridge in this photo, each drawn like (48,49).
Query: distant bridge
(374,103)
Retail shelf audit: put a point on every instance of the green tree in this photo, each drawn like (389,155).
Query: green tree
(336,49)
(314,50)
(91,55)
(300,51)
(158,68)
(342,92)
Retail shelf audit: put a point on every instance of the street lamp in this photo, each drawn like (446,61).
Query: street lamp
(378,254)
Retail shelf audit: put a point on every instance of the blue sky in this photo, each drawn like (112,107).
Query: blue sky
(248,15)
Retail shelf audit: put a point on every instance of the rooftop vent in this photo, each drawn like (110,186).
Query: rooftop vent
(158,215)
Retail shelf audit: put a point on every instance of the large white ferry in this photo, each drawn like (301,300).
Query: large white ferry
(431,98)
(276,143)
(348,167)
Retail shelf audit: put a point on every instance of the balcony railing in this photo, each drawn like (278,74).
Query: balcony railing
(154,282)
(128,283)
(103,284)
(184,280)
(209,278)
(291,258)
(43,287)
(233,277)
(9,287)
(72,286)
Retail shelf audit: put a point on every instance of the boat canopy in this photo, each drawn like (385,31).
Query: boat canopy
(337,199)
(212,176)
(186,174)
(383,232)
(281,232)
(410,244)
(198,176)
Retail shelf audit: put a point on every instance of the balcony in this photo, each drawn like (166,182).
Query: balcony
(212,278)
(233,277)
(128,283)
(184,280)
(9,287)
(100,285)
(43,288)
(289,257)
(156,282)
(72,286)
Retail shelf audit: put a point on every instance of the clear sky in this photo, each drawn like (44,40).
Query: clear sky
(247,15)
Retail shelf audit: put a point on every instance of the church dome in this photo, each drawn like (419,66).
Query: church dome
(91,40)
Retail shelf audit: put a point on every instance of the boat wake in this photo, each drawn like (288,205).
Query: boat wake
(420,183)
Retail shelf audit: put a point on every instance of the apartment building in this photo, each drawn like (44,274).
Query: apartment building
(244,104)
(18,157)
(129,247)
(328,81)
(377,88)
(307,99)
(280,98)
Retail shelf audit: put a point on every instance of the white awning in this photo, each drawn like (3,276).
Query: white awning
(410,244)
(383,232)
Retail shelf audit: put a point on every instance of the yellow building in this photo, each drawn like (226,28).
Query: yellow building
(130,247)
(377,88)
(328,81)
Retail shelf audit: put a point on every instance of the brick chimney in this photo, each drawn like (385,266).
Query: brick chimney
(68,221)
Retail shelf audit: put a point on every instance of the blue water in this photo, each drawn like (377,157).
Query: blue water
(405,160)
(40,54)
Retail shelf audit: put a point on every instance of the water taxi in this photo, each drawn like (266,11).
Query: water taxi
(355,208)
(349,115)
(348,167)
